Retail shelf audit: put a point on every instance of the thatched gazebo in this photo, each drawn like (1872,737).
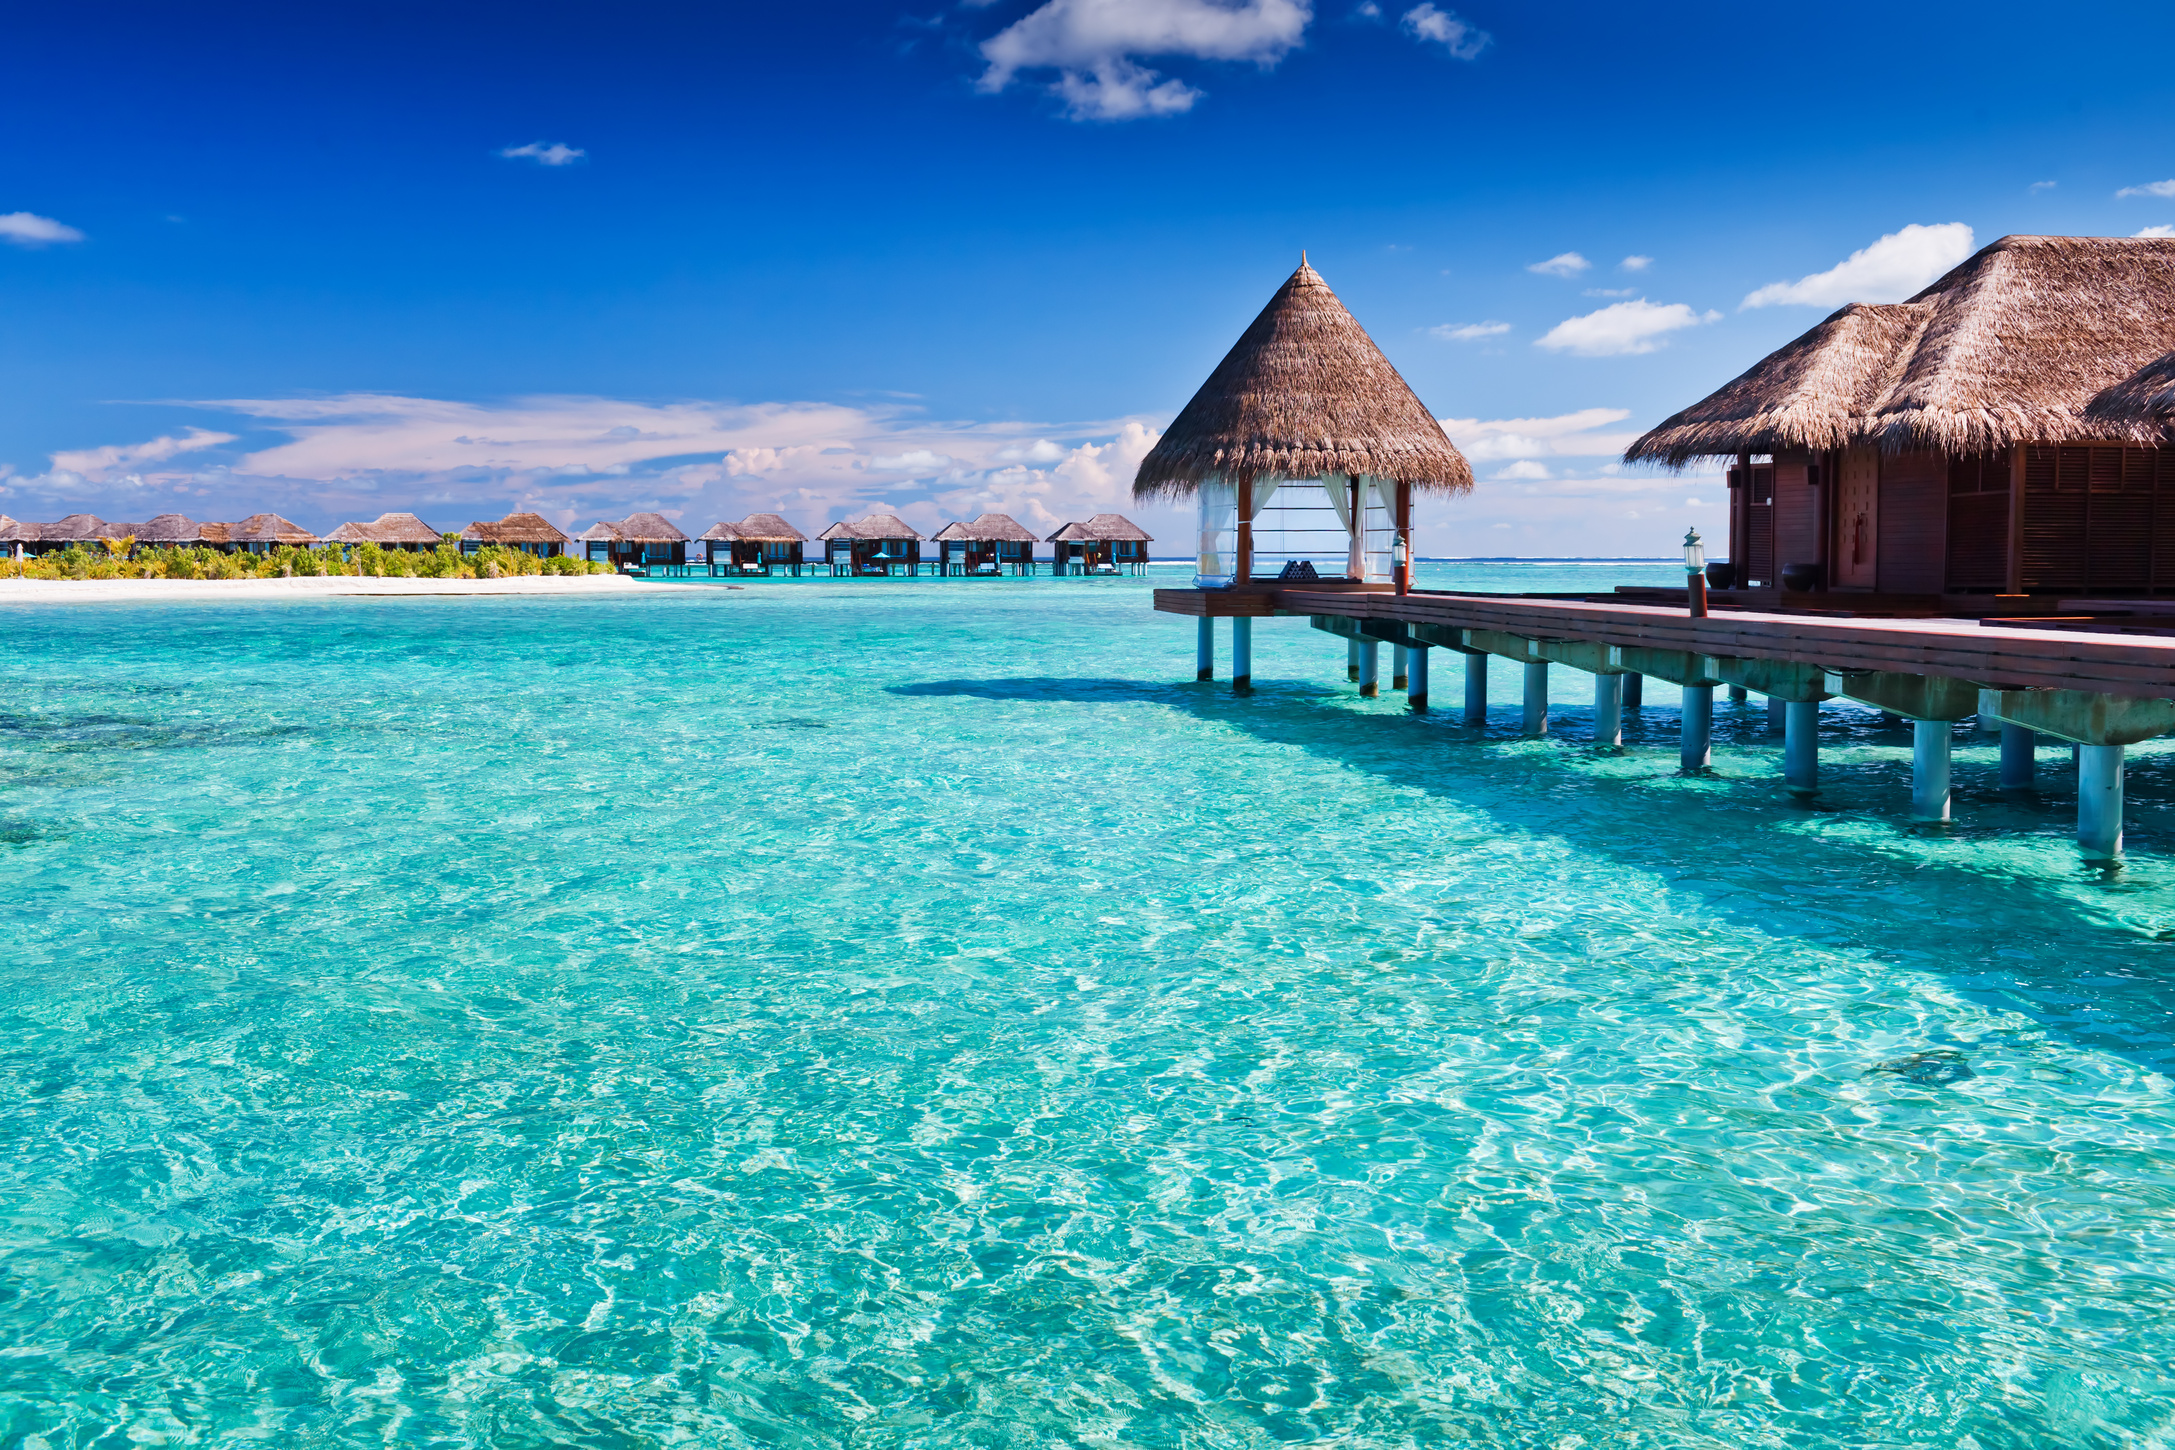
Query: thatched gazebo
(390,531)
(527,533)
(872,546)
(768,542)
(989,546)
(1306,422)
(1987,436)
(1105,544)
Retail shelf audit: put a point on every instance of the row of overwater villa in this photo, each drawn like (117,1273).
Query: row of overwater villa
(1957,506)
(878,546)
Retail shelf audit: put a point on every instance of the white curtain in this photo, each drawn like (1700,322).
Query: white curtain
(1219,519)
(1264,490)
(1339,488)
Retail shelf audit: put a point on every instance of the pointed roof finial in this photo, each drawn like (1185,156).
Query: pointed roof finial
(1302,256)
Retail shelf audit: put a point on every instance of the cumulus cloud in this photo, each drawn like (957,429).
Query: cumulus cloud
(96,465)
(1566,435)
(1889,270)
(1621,329)
(2150,188)
(1524,468)
(1636,264)
(555,154)
(1563,264)
(1468,331)
(2039,186)
(2162,230)
(1462,40)
(1093,47)
(28,229)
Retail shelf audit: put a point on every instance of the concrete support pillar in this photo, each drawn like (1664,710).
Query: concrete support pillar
(1777,715)
(1242,652)
(1801,746)
(1634,691)
(1930,741)
(1737,694)
(1370,669)
(2099,800)
(1204,649)
(1416,676)
(1608,711)
(1537,697)
(1400,667)
(1351,659)
(1988,723)
(1476,689)
(2019,757)
(1698,749)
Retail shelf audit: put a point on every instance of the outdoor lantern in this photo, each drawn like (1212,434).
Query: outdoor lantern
(1695,573)
(1397,552)
(1695,553)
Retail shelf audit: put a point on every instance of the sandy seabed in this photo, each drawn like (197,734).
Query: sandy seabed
(109,591)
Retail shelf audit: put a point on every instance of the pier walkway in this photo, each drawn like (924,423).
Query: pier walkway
(2099,691)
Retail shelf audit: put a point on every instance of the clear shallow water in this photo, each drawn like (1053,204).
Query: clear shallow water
(916,1015)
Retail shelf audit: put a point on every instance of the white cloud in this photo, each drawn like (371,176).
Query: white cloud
(1636,263)
(28,229)
(1563,264)
(1611,292)
(1367,10)
(1092,45)
(1468,331)
(1524,468)
(1462,40)
(2150,188)
(96,464)
(914,460)
(1567,435)
(1622,328)
(2039,186)
(556,154)
(1890,270)
(2163,230)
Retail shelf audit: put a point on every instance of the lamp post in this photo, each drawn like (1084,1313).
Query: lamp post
(1695,572)
(1400,565)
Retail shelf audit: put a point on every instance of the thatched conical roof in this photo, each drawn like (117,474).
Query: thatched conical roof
(1102,529)
(269,529)
(721,533)
(171,529)
(988,529)
(769,529)
(1304,394)
(385,529)
(2010,347)
(2141,408)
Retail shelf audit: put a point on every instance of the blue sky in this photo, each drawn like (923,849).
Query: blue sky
(589,259)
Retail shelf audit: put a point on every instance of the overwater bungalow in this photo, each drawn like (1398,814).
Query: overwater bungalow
(990,545)
(1105,544)
(763,543)
(1969,441)
(263,533)
(638,540)
(393,531)
(526,533)
(877,545)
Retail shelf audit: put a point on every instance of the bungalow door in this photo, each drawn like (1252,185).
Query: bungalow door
(1857,520)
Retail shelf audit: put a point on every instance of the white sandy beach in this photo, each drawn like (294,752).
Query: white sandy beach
(162,591)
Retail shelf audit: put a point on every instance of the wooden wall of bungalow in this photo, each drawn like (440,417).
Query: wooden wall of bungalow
(2067,518)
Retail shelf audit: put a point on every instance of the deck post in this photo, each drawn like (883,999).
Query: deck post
(1800,746)
(1698,749)
(1634,691)
(1608,711)
(2099,800)
(1204,650)
(1778,720)
(1351,660)
(1400,668)
(2019,757)
(1930,741)
(1536,722)
(1242,652)
(1476,688)
(1370,668)
(1416,688)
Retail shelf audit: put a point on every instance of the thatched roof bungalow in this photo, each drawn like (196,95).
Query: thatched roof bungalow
(1105,544)
(638,539)
(262,533)
(1305,420)
(758,544)
(1969,440)
(526,533)
(391,531)
(875,545)
(87,532)
(989,545)
(178,531)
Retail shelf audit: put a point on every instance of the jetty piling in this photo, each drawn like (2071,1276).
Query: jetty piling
(1204,650)
(1536,700)
(2019,757)
(2099,800)
(1400,668)
(1416,686)
(1608,711)
(1370,665)
(1242,652)
(1476,687)
(1696,753)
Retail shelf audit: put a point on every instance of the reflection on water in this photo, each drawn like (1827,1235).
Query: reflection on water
(916,1014)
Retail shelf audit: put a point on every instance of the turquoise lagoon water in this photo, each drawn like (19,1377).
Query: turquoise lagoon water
(916,1014)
